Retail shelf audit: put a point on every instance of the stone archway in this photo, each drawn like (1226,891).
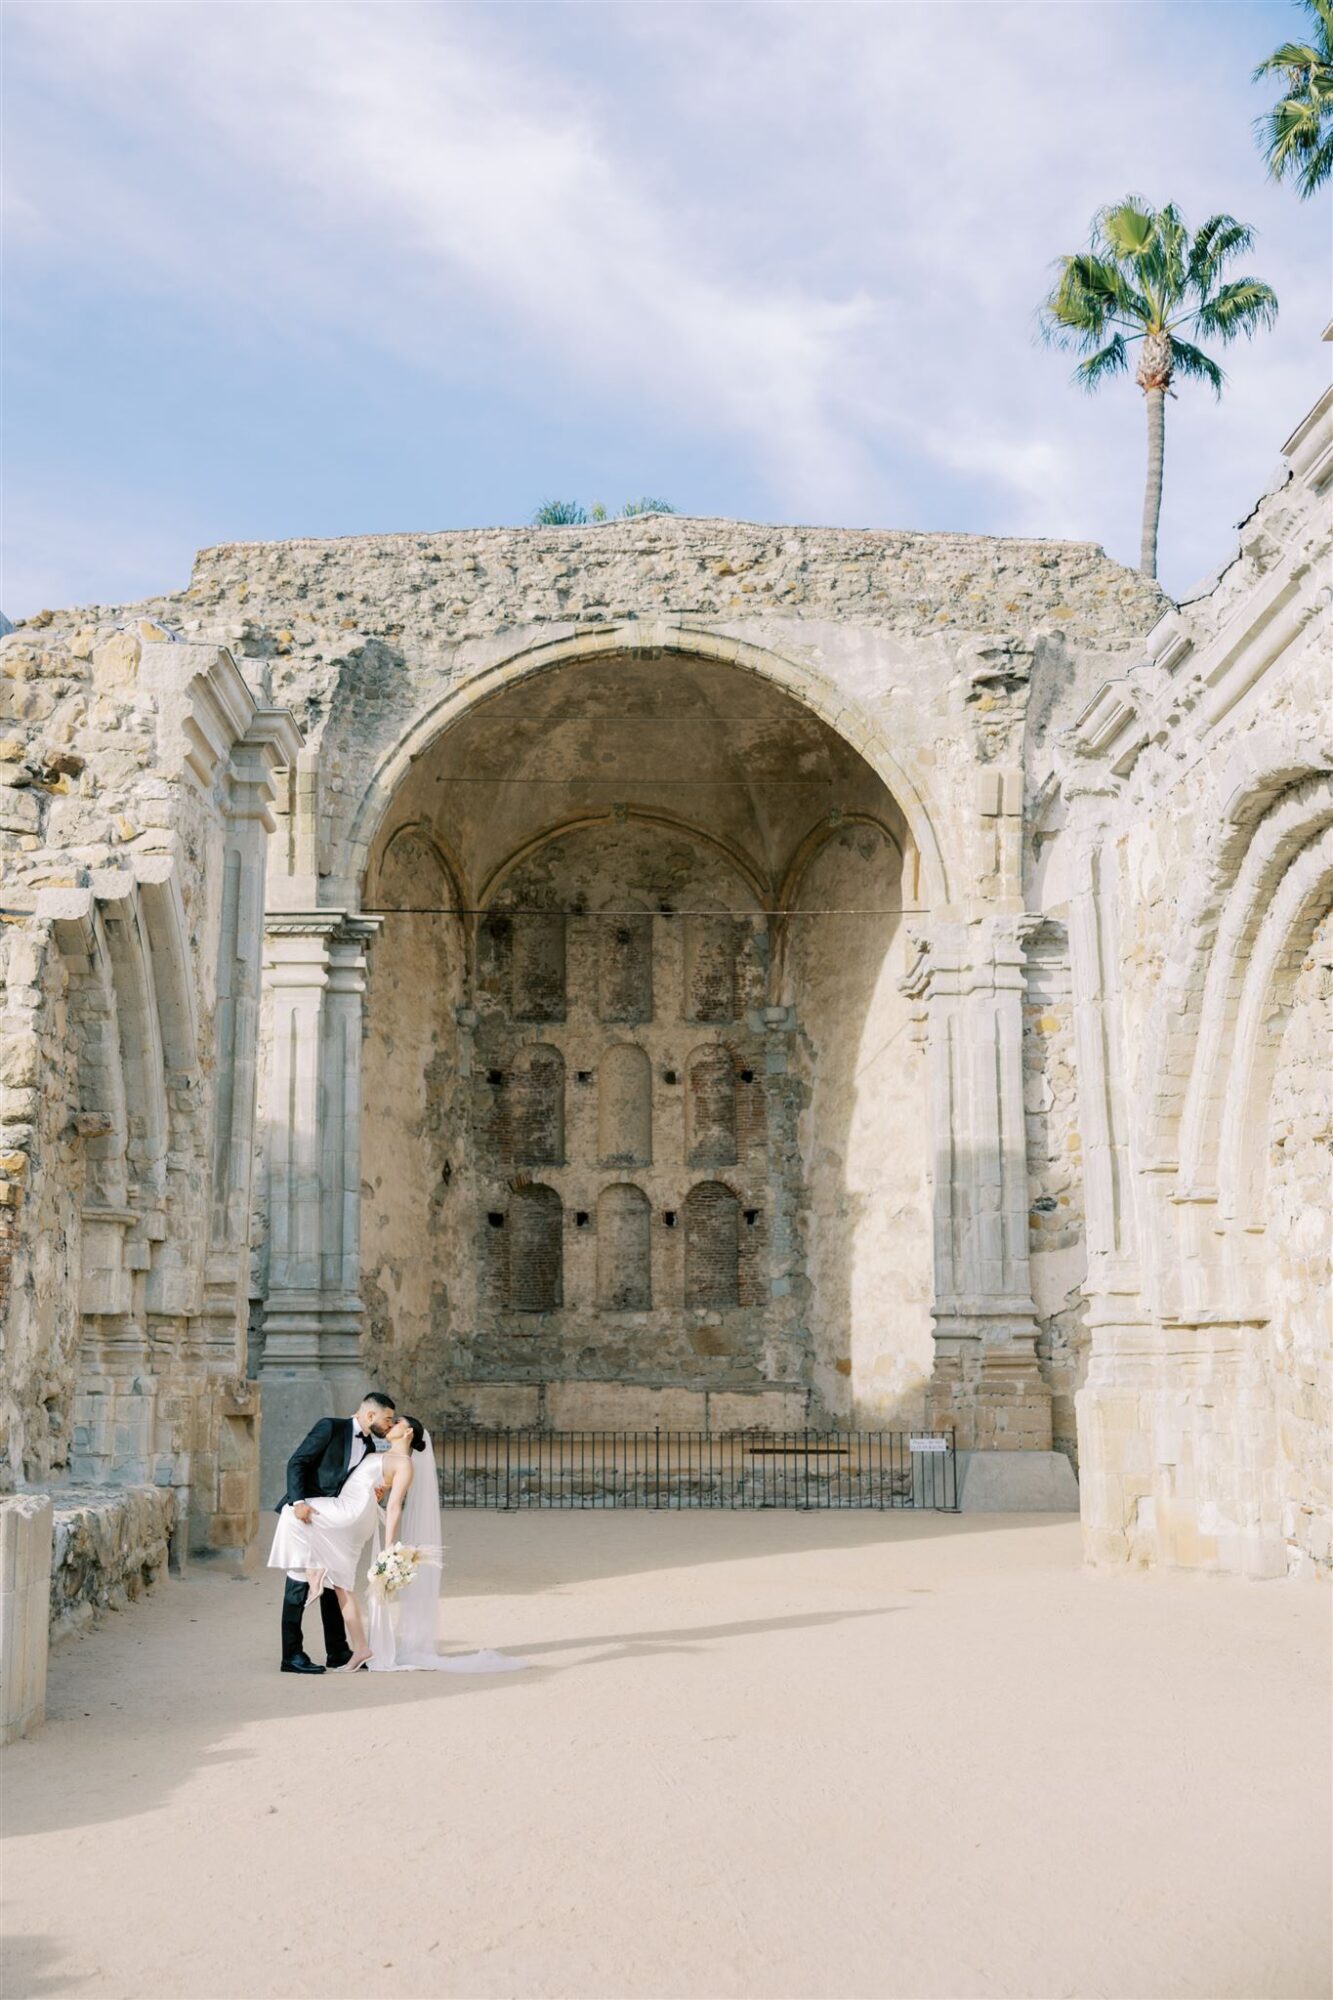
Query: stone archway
(895,1278)
(645,1111)
(659,639)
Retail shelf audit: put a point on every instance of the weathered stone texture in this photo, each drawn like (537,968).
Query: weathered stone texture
(1055,1179)
(1300,1167)
(713,974)
(138,772)
(44,1167)
(1199,854)
(110,1546)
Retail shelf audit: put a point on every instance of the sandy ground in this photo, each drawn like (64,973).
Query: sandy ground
(760,1755)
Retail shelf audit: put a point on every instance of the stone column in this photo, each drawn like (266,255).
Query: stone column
(1113,1267)
(314,980)
(1115,1404)
(987,1386)
(225,1493)
(270,743)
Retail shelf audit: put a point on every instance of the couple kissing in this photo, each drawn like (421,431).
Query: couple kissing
(336,1479)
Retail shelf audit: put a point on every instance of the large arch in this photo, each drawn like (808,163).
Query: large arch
(651,638)
(691,792)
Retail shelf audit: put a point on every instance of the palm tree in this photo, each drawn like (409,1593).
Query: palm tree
(1297,134)
(1143,278)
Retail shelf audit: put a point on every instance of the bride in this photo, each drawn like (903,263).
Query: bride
(403,1633)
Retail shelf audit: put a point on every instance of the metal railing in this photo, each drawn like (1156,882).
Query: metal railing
(683,1469)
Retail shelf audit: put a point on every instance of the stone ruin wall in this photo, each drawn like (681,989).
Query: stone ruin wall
(135,775)
(1071,775)
(934,645)
(1199,879)
(712,1245)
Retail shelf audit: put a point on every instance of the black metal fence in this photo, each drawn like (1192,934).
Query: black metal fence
(680,1469)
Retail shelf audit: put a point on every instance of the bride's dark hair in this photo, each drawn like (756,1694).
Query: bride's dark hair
(418,1430)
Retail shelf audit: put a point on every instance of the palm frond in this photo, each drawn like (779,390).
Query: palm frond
(1296,135)
(1297,139)
(1129,227)
(1243,306)
(1219,240)
(1170,255)
(1317,169)
(1112,359)
(1194,363)
(1090,296)
(1293,58)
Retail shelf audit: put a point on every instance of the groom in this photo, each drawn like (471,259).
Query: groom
(317,1468)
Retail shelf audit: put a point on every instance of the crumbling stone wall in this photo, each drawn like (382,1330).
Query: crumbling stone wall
(947,662)
(960,1107)
(110,1546)
(44,1167)
(714,973)
(1055,1174)
(135,776)
(1199,865)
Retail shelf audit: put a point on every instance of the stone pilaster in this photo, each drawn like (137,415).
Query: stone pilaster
(987,1385)
(314,981)
(270,744)
(1122,1359)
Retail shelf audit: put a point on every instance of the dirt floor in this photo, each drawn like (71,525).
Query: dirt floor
(761,1755)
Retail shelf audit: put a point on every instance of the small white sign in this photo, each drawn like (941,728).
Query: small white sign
(928,1444)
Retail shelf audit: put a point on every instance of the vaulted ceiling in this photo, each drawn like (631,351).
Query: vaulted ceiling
(676,738)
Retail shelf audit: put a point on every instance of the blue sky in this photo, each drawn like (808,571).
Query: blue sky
(279,269)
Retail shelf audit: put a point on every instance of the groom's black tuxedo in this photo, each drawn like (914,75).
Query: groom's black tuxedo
(317,1469)
(321,1462)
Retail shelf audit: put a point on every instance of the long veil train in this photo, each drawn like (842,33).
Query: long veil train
(404,1638)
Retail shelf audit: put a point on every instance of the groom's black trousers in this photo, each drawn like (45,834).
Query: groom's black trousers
(293,1605)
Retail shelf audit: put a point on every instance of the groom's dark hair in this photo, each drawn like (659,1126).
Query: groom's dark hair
(378,1397)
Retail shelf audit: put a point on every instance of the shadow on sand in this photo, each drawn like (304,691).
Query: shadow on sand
(174,1686)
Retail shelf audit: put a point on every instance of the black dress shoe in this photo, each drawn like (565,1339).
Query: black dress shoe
(300,1664)
(338,1660)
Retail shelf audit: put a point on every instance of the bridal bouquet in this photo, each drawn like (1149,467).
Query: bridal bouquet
(393,1569)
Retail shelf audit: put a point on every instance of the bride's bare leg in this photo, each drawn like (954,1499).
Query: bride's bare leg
(356,1631)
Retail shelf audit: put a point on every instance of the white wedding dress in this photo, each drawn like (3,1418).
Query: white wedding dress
(339,1528)
(404,1635)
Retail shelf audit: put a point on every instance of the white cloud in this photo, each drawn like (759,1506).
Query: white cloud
(392,135)
(815,232)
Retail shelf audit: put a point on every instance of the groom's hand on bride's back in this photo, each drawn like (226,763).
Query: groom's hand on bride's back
(303,1510)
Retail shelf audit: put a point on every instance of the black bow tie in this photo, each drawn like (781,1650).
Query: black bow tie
(367,1440)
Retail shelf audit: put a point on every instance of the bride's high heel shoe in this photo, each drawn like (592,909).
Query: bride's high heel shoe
(357,1661)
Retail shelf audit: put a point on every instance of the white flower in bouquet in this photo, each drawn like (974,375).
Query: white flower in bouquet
(394,1568)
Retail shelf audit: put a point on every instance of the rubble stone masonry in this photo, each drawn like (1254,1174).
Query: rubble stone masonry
(679,972)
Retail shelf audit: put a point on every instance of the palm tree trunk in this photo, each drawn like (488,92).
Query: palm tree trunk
(1152,492)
